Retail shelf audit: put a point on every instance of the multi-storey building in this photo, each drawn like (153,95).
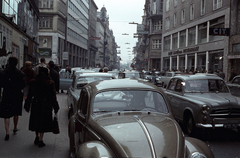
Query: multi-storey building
(19,31)
(154,14)
(188,42)
(63,32)
(92,49)
(100,29)
(109,45)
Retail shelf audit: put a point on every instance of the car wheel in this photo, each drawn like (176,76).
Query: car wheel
(190,125)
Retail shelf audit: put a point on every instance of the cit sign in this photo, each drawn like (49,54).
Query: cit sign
(219,31)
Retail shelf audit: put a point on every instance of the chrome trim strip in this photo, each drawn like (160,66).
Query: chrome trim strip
(88,129)
(94,133)
(209,125)
(147,134)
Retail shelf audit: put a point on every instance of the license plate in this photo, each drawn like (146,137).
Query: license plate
(232,126)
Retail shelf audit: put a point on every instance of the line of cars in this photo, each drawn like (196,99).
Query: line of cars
(127,117)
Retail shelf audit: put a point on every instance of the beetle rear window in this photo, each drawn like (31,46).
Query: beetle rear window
(112,101)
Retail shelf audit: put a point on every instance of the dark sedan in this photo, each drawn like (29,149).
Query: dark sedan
(128,118)
(80,80)
(203,101)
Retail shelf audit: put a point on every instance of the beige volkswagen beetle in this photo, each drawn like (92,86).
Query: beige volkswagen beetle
(128,118)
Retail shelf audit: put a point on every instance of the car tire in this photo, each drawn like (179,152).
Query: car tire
(190,125)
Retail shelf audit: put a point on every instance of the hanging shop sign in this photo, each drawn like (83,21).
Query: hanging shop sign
(45,52)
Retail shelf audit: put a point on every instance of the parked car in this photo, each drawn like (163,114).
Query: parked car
(115,73)
(234,86)
(203,101)
(147,75)
(66,77)
(80,80)
(167,77)
(128,118)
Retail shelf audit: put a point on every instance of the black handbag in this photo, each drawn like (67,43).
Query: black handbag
(55,125)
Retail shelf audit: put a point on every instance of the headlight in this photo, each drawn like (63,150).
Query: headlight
(197,155)
(205,109)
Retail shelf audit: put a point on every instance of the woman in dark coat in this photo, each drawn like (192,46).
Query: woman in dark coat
(42,101)
(13,82)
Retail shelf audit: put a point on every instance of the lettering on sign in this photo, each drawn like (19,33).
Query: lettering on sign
(187,50)
(219,31)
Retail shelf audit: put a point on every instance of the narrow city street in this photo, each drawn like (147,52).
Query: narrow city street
(224,143)
(21,145)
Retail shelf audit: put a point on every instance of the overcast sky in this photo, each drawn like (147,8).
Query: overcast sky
(120,13)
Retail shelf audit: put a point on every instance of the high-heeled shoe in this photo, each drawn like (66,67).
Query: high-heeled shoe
(15,131)
(7,137)
(36,141)
(41,144)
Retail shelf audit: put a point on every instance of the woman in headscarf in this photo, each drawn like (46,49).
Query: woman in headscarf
(41,100)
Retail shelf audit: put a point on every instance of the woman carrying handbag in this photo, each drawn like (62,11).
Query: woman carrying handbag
(41,101)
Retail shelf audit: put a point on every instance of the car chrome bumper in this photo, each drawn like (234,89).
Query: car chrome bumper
(220,123)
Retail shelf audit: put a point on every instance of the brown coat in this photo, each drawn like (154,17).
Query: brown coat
(41,100)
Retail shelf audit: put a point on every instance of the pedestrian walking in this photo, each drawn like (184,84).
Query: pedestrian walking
(41,100)
(221,74)
(11,105)
(42,64)
(30,74)
(54,75)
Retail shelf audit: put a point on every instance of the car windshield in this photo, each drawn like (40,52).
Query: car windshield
(85,80)
(210,85)
(112,101)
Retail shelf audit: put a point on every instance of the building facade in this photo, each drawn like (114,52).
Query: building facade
(92,44)
(154,14)
(187,35)
(19,31)
(63,33)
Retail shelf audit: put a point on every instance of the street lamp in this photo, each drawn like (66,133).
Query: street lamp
(125,34)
